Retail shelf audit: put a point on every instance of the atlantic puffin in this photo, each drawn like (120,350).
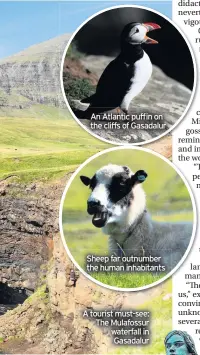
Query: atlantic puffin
(127,75)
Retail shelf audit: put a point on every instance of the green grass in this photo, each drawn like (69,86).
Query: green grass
(73,52)
(127,280)
(76,88)
(10,98)
(83,238)
(39,135)
(175,217)
(40,294)
(43,149)
(37,111)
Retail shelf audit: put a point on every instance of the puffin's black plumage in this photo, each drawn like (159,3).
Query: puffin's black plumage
(113,83)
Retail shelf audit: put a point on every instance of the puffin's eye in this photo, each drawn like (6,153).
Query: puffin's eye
(137,30)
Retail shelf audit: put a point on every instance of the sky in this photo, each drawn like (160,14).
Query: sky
(24,23)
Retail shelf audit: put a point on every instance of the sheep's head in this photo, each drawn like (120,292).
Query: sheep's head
(116,196)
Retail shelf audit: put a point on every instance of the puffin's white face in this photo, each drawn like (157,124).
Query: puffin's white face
(137,34)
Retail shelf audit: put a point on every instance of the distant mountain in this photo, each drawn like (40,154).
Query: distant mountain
(33,76)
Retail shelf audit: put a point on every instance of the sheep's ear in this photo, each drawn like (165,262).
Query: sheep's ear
(139,177)
(85,180)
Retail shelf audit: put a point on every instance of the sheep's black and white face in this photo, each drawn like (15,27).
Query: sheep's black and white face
(115,192)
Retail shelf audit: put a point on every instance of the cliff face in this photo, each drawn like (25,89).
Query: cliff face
(28,222)
(33,75)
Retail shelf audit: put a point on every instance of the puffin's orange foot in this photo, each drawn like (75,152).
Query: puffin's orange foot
(119,111)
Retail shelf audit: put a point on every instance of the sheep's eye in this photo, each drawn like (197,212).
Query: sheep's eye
(122,184)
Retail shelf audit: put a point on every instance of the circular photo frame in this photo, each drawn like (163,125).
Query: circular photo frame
(124,85)
(127,218)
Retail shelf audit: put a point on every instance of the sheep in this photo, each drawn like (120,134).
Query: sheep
(118,206)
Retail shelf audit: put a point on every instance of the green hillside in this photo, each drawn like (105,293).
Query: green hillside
(33,110)
(44,146)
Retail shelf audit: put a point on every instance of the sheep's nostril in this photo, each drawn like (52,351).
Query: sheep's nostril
(93,206)
(93,203)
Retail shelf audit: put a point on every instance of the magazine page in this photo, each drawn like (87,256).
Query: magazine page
(99,177)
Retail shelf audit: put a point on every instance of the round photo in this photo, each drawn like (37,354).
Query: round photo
(128,75)
(127,218)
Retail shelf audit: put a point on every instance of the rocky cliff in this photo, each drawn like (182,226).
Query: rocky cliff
(27,224)
(32,76)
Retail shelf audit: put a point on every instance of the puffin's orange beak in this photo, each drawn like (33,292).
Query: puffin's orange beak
(150,26)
